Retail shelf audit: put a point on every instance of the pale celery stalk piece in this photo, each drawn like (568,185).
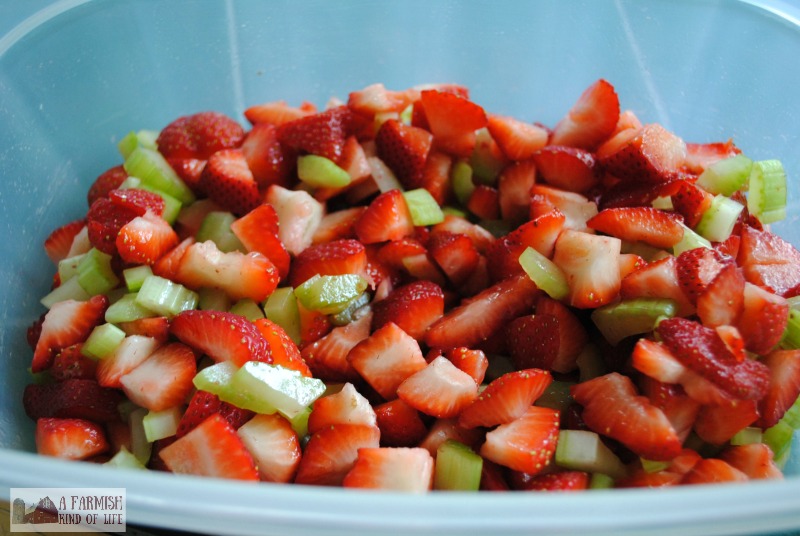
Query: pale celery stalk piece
(68,268)
(583,450)
(70,289)
(423,207)
(266,388)
(544,273)
(141,448)
(766,198)
(299,421)
(95,274)
(132,140)
(127,309)
(281,307)
(102,341)
(790,339)
(653,466)
(165,297)
(600,481)
(213,299)
(556,396)
(779,437)
(216,379)
(616,321)
(717,222)
(216,226)
(124,459)
(160,424)
(458,467)
(748,436)
(461,177)
(247,308)
(153,169)
(135,276)
(486,163)
(330,294)
(320,172)
(382,175)
(172,205)
(352,311)
(726,176)
(690,240)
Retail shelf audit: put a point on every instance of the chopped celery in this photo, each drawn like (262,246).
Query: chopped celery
(454,211)
(102,341)
(382,175)
(726,176)
(172,205)
(126,309)
(352,311)
(95,273)
(747,436)
(767,193)
(213,299)
(653,466)
(458,467)
(544,273)
(70,289)
(619,320)
(461,177)
(330,294)
(583,450)
(160,424)
(165,297)
(299,421)
(662,202)
(281,308)
(124,459)
(690,240)
(265,388)
(423,207)
(141,448)
(154,171)
(487,160)
(216,227)
(320,172)
(717,223)
(556,396)
(132,140)
(216,379)
(779,437)
(791,335)
(248,309)
(600,481)
(67,268)
(135,276)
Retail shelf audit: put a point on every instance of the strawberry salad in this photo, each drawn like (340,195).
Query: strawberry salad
(407,291)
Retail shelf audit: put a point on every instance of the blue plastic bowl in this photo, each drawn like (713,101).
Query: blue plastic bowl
(78,74)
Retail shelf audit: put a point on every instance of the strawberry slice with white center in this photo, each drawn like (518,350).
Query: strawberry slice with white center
(713,471)
(654,155)
(480,237)
(517,139)
(671,398)
(756,460)
(473,362)
(525,444)
(453,121)
(479,317)
(404,148)
(514,191)
(392,468)
(337,225)
(347,406)
(375,99)
(484,202)
(570,333)
(145,239)
(211,449)
(613,408)
(699,156)
(455,254)
(258,231)
(387,218)
(331,453)
(657,279)
(691,202)
(440,389)
(277,112)
(222,336)
(784,387)
(228,181)
(199,135)
(591,266)
(340,257)
(283,349)
(386,358)
(763,319)
(400,424)
(327,356)
(577,208)
(413,307)
(70,439)
(129,354)
(274,446)
(591,120)
(569,168)
(269,161)
(75,398)
(164,379)
(722,301)
(240,275)
(506,398)
(299,215)
(650,225)
(769,261)
(322,134)
(66,323)
(58,243)
(697,268)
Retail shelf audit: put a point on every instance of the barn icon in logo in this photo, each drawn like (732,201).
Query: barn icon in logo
(43,512)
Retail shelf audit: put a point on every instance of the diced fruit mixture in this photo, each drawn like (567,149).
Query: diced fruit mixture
(407,291)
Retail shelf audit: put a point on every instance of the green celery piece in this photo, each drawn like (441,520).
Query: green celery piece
(95,273)
(281,308)
(619,320)
(70,289)
(779,437)
(155,172)
(265,388)
(747,436)
(352,311)
(556,396)
(330,294)
(487,160)
(132,140)
(423,207)
(791,335)
(320,172)
(126,309)
(766,198)
(165,297)
(160,424)
(653,466)
(248,309)
(600,481)
(172,205)
(67,268)
(544,273)
(458,467)
(690,240)
(461,177)
(124,459)
(216,379)
(299,421)
(726,176)
(213,299)
(216,226)
(135,276)
(141,448)
(102,341)
(717,222)
(583,450)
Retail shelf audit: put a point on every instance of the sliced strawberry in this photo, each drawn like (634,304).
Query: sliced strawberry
(591,266)
(337,225)
(713,471)
(199,136)
(654,155)
(517,139)
(375,99)
(404,148)
(203,405)
(657,279)
(164,379)
(221,336)
(455,254)
(327,356)
(784,388)
(769,261)
(274,446)
(440,389)
(591,120)
(240,275)
(386,358)
(394,254)
(701,155)
(493,477)
(697,268)
(505,399)
(66,323)
(169,263)
(258,231)
(525,444)
(211,449)
(559,481)
(283,349)
(691,202)
(331,453)
(718,424)
(156,327)
(514,191)
(267,159)
(443,429)
(189,170)
(73,399)
(722,301)
(228,181)
(129,354)
(613,408)
(568,168)
(140,201)
(473,362)
(577,208)
(756,460)
(453,120)
(633,193)
(145,239)
(533,341)
(70,439)
(108,180)
(703,351)
(387,218)
(763,319)
(58,243)
(323,133)
(484,202)
(346,406)
(412,307)
(70,364)
(652,226)
(277,112)
(400,424)
(346,256)
(104,220)
(679,408)
(569,331)
(392,468)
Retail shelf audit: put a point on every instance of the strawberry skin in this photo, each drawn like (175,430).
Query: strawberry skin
(397,469)
(769,261)
(413,307)
(105,182)
(74,398)
(639,224)
(283,349)
(756,460)
(331,453)
(103,222)
(145,239)
(526,444)
(719,423)
(323,133)
(268,160)
(697,268)
(654,155)
(784,387)
(138,200)
(387,218)
(70,363)
(199,136)
(591,119)
(453,120)
(763,319)
(222,336)
(569,168)
(327,355)
(164,379)
(400,424)
(339,257)
(258,232)
(404,148)
(58,243)
(228,181)
(202,405)
(559,481)
(506,398)
(70,439)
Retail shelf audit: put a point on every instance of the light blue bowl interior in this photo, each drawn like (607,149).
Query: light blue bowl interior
(79,75)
